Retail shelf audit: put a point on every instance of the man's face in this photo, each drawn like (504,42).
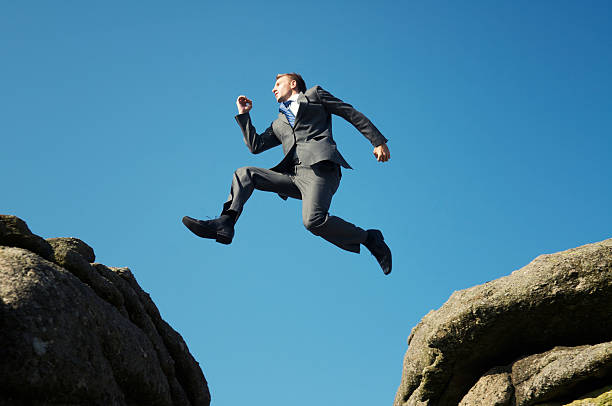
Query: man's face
(283,88)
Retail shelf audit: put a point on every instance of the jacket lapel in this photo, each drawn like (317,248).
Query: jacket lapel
(303,101)
(283,118)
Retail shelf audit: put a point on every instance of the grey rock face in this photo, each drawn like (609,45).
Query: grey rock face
(559,373)
(495,343)
(79,333)
(493,389)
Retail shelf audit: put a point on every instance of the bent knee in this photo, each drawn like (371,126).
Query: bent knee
(314,224)
(243,172)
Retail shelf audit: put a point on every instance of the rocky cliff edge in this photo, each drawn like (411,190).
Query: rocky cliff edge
(541,335)
(75,332)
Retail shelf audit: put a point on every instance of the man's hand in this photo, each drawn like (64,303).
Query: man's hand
(244,104)
(382,153)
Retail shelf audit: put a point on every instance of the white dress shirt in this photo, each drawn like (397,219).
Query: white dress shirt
(294,106)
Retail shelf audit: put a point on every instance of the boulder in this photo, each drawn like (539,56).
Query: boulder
(14,232)
(494,388)
(560,372)
(74,332)
(540,334)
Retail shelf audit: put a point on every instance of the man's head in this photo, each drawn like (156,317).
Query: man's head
(288,84)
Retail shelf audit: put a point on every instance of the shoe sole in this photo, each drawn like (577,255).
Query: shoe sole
(223,239)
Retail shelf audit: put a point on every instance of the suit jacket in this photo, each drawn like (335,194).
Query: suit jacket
(310,138)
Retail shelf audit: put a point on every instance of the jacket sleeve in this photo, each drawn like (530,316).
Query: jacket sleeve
(256,142)
(336,106)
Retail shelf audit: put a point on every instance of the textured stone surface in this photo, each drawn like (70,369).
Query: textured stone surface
(560,372)
(76,333)
(562,299)
(492,389)
(14,232)
(84,250)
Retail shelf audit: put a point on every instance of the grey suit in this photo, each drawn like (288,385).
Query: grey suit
(310,169)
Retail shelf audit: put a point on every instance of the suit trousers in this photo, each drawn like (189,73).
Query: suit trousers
(315,185)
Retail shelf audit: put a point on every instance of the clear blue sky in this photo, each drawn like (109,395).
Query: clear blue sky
(118,120)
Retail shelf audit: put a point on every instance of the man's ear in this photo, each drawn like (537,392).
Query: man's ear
(293,84)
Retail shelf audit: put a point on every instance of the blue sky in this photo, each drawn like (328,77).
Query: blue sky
(117,120)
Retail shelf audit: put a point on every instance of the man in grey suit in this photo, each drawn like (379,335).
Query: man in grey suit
(310,169)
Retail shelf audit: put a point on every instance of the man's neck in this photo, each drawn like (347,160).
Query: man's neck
(293,96)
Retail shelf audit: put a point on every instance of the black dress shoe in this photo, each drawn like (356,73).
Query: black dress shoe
(377,246)
(220,229)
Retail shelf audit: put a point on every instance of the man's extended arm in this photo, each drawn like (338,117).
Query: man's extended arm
(357,119)
(255,142)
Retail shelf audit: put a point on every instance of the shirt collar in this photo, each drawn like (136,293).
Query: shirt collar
(294,97)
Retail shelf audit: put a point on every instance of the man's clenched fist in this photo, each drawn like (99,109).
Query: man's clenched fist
(244,104)
(382,153)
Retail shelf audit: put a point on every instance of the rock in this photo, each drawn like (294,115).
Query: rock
(76,333)
(560,372)
(14,232)
(556,374)
(558,300)
(494,388)
(74,255)
(74,244)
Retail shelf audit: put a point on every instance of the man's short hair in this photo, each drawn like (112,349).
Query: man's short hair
(301,85)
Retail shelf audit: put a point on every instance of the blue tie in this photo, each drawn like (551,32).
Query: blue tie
(284,108)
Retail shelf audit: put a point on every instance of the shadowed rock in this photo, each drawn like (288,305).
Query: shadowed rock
(483,337)
(560,372)
(556,374)
(14,232)
(493,389)
(600,397)
(77,333)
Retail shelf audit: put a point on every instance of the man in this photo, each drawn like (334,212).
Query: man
(310,169)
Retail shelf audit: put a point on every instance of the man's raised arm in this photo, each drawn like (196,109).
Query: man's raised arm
(255,142)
